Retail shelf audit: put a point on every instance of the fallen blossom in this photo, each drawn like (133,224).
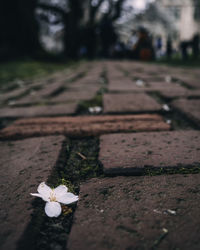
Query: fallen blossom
(165,230)
(169,211)
(95,109)
(168,79)
(139,83)
(157,211)
(168,121)
(54,197)
(12,102)
(166,107)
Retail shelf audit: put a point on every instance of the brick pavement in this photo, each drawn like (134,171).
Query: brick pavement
(189,107)
(127,103)
(135,212)
(132,153)
(83,126)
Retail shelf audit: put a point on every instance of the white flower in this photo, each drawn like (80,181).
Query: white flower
(166,107)
(168,79)
(54,197)
(168,121)
(95,109)
(139,83)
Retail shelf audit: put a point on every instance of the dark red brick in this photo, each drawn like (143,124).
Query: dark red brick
(132,153)
(191,108)
(83,125)
(132,212)
(130,102)
(54,110)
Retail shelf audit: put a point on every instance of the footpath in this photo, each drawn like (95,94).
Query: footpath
(124,136)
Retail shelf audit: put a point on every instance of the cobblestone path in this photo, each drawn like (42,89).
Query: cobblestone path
(133,130)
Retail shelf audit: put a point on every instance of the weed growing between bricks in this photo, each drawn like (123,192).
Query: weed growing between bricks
(4,122)
(97,100)
(179,121)
(77,162)
(172,170)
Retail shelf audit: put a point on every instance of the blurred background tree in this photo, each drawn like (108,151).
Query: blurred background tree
(93,28)
(19,28)
(79,22)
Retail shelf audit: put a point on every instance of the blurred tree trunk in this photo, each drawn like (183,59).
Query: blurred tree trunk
(18,27)
(73,31)
(78,31)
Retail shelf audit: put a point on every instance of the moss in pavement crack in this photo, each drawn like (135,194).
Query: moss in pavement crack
(77,162)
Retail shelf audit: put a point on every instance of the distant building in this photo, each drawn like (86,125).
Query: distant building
(179,19)
(186,16)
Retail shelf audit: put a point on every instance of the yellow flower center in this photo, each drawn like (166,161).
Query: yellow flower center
(52,196)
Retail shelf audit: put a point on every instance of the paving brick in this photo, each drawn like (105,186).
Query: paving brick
(54,110)
(191,81)
(41,95)
(191,108)
(70,95)
(83,125)
(131,85)
(166,86)
(131,212)
(12,94)
(80,85)
(24,164)
(130,102)
(133,153)
(123,84)
(178,93)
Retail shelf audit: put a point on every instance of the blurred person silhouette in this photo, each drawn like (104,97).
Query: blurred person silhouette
(108,36)
(184,49)
(158,46)
(143,49)
(195,46)
(169,47)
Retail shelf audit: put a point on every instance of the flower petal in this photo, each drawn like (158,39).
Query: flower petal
(60,190)
(53,209)
(67,198)
(45,191)
(38,195)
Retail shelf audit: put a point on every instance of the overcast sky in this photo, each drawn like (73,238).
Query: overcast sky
(139,4)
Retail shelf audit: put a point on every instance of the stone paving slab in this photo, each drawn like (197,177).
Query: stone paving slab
(133,153)
(126,213)
(83,125)
(129,102)
(24,165)
(191,108)
(54,110)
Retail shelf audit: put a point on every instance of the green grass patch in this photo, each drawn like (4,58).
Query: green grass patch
(28,69)
(179,62)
